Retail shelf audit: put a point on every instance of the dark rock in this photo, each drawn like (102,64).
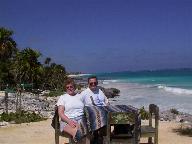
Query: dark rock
(110,92)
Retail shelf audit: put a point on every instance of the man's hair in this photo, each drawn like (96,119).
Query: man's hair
(69,81)
(92,77)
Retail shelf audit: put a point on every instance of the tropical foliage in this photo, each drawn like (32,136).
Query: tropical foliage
(21,69)
(184,131)
(7,52)
(24,67)
(144,114)
(174,111)
(21,117)
(7,44)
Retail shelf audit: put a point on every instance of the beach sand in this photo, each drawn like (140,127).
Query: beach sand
(43,133)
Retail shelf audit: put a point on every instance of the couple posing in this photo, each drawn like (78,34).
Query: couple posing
(70,105)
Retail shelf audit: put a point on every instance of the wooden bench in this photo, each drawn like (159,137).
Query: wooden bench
(55,124)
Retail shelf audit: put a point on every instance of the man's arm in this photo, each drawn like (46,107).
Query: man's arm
(106,100)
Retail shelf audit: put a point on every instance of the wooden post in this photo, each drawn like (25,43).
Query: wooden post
(136,128)
(156,125)
(56,126)
(150,123)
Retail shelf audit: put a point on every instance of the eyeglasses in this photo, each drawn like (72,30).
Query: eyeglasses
(92,83)
(69,87)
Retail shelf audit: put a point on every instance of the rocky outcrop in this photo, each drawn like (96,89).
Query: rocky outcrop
(181,117)
(110,92)
(34,103)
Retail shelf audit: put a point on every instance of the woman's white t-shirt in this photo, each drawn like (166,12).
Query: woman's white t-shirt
(73,105)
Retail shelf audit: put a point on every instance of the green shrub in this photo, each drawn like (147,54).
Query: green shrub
(144,114)
(184,131)
(21,117)
(174,111)
(55,93)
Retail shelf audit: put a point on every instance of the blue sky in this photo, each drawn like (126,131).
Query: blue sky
(104,35)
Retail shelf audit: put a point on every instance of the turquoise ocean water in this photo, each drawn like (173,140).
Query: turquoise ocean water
(166,88)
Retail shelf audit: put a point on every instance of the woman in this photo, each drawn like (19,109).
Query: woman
(70,109)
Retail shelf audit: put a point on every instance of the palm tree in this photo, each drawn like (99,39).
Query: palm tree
(27,67)
(7,44)
(7,50)
(58,75)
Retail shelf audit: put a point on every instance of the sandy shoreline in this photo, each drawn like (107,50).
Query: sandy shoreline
(28,133)
(43,133)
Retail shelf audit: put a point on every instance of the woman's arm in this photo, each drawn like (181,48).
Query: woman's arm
(61,110)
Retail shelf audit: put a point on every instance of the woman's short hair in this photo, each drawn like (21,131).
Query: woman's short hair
(69,81)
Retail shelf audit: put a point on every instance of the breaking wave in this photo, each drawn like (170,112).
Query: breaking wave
(175,90)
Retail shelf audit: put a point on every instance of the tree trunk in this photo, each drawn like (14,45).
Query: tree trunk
(20,95)
(6,101)
(17,99)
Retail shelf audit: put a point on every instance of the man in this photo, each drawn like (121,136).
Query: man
(93,95)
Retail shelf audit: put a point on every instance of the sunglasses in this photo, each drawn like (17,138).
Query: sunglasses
(93,83)
(69,87)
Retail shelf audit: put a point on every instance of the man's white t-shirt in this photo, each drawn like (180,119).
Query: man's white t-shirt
(73,105)
(98,97)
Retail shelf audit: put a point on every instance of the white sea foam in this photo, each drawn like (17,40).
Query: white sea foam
(109,81)
(175,90)
(140,95)
(105,82)
(78,75)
